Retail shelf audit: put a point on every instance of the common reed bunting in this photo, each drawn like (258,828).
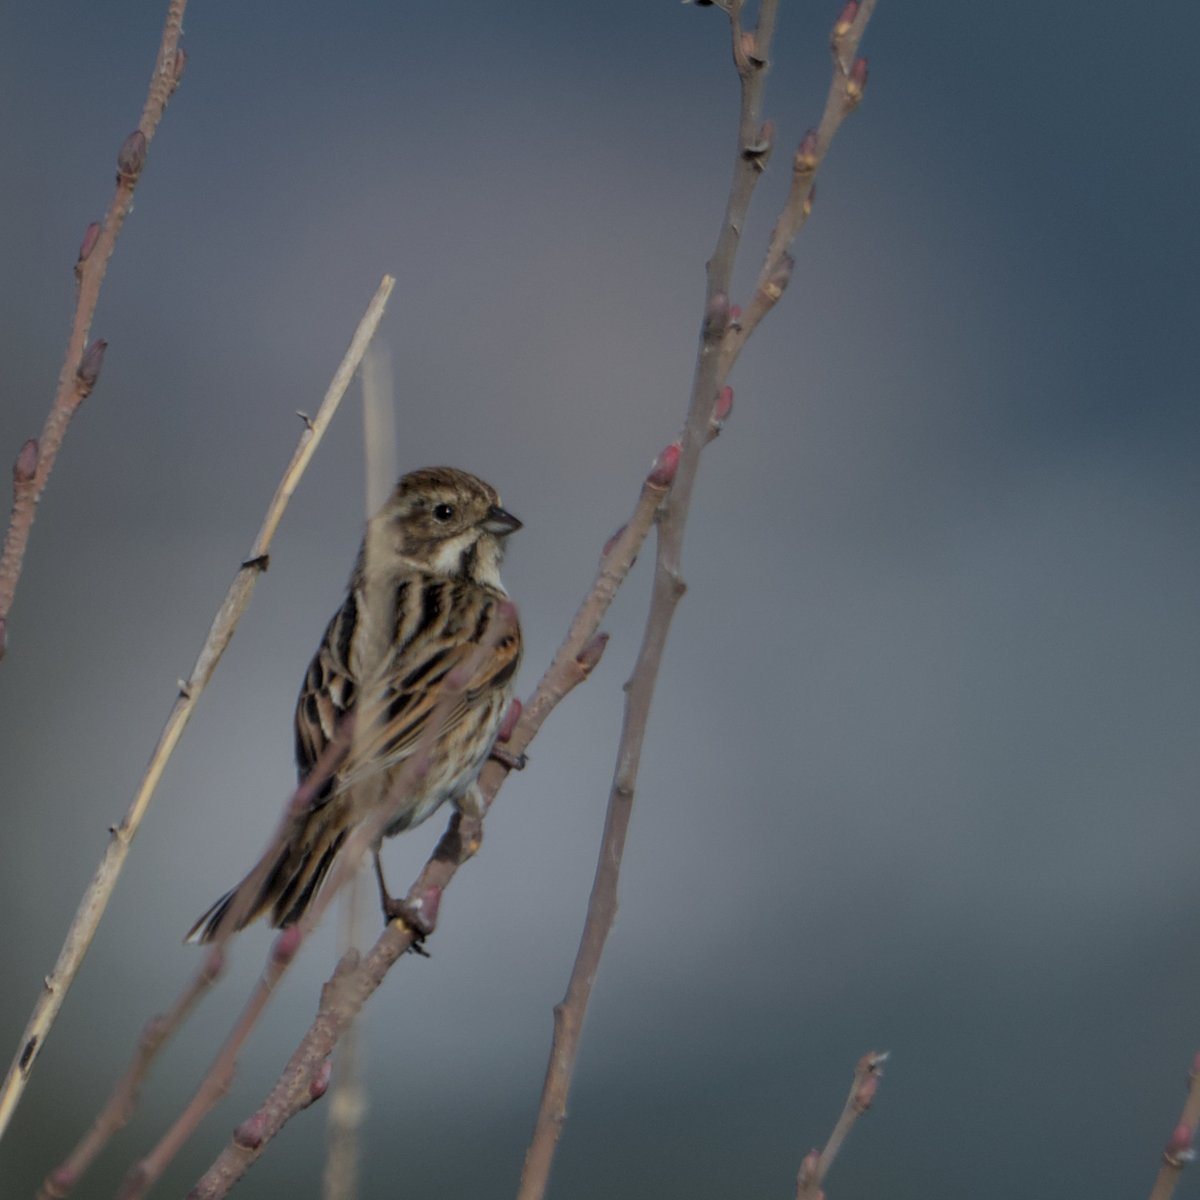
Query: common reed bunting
(425,597)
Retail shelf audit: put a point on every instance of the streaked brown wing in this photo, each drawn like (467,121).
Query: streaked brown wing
(395,729)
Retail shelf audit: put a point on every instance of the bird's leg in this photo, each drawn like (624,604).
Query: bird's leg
(397,909)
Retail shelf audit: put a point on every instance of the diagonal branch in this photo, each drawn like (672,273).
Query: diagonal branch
(867,1073)
(81,366)
(95,899)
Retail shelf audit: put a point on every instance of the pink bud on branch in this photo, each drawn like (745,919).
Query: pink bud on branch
(856,83)
(89,365)
(90,236)
(320,1082)
(805,162)
(845,20)
(591,654)
(250,1133)
(26,464)
(662,473)
(1178,1151)
(131,158)
(179,65)
(612,541)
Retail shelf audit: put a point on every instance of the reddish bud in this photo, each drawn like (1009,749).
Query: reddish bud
(320,1081)
(591,654)
(510,720)
(179,65)
(286,945)
(250,1133)
(1180,1141)
(131,158)
(845,20)
(88,370)
(26,465)
(865,1092)
(90,236)
(662,473)
(612,541)
(722,406)
(735,313)
(856,82)
(806,154)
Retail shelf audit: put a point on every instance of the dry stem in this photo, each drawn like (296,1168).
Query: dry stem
(816,1164)
(95,899)
(80,368)
(721,341)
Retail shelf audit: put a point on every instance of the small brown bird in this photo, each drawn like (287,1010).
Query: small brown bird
(425,597)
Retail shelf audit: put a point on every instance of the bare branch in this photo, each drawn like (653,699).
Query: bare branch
(816,1164)
(81,366)
(121,1103)
(95,899)
(721,340)
(1179,1150)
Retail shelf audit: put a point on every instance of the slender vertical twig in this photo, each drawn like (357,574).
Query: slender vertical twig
(722,336)
(99,891)
(81,363)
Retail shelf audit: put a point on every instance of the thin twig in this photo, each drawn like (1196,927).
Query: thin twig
(816,1164)
(95,899)
(81,366)
(721,340)
(1179,1152)
(121,1103)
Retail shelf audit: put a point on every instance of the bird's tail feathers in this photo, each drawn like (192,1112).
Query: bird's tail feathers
(284,881)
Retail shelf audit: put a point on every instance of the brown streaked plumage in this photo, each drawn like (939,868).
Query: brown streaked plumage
(423,598)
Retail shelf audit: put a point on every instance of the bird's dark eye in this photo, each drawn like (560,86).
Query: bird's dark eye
(443,512)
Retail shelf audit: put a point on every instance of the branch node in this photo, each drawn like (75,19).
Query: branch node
(88,370)
(26,464)
(758,151)
(591,654)
(306,419)
(662,472)
(131,158)
(856,83)
(90,236)
(260,562)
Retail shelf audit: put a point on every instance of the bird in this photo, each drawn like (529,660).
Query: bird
(424,598)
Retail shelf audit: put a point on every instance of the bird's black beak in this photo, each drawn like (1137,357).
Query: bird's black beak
(500,521)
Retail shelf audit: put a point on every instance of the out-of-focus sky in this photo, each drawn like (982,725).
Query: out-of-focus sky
(922,769)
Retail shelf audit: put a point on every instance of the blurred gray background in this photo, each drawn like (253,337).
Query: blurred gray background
(922,768)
